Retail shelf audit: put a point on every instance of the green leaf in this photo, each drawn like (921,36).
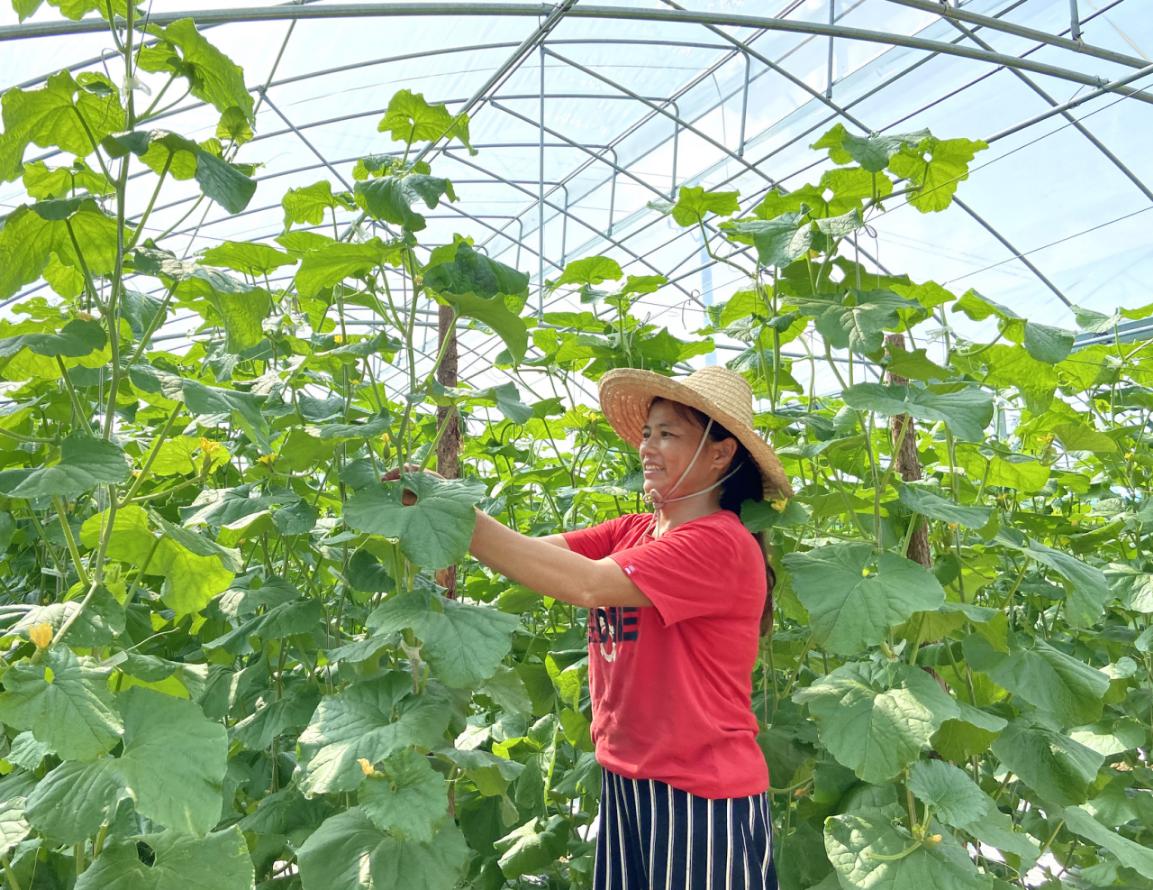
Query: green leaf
(872,152)
(411,119)
(1068,690)
(309,203)
(13,827)
(925,501)
(243,407)
(694,204)
(860,323)
(1053,765)
(855,595)
(77,338)
(70,803)
(877,718)
(871,852)
(174,761)
(935,167)
(161,150)
(532,847)
(350,853)
(195,569)
(219,861)
(1082,437)
(331,264)
(33,235)
(282,620)
(476,287)
(965,409)
(465,644)
(50,118)
(84,464)
(212,76)
(1048,344)
(64,701)
(779,241)
(391,198)
(370,720)
(406,797)
(241,307)
(435,531)
(589,272)
(249,257)
(955,798)
(1086,587)
(1129,854)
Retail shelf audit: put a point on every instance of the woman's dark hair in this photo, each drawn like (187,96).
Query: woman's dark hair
(745,485)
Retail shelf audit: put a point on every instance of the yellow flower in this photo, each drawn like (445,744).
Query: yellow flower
(934,839)
(40,635)
(337,339)
(365,766)
(779,504)
(267,459)
(208,446)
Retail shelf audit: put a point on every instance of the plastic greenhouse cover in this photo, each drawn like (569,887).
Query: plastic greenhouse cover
(608,116)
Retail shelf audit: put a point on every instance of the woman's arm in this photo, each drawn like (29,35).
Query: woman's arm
(551,569)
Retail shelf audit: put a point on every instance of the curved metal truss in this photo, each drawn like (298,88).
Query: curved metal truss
(586,114)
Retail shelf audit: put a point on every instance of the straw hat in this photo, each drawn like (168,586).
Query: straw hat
(626,395)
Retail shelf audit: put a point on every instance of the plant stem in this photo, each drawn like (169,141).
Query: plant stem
(58,503)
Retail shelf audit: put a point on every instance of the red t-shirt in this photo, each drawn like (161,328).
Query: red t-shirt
(671,685)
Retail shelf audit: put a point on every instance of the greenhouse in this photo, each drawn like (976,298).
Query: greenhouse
(392,395)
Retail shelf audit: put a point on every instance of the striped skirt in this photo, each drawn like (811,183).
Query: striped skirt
(656,837)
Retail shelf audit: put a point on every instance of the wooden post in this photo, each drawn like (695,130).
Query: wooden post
(448,448)
(908,461)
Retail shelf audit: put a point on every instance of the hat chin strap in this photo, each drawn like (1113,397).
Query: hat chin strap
(659,500)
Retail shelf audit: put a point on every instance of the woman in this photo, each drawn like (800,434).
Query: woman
(676,602)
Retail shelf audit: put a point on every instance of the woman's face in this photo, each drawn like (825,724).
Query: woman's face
(668,442)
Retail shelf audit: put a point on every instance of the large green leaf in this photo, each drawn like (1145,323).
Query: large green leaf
(84,464)
(348,852)
(64,701)
(391,198)
(532,847)
(33,235)
(433,532)
(928,503)
(1062,686)
(161,150)
(174,761)
(860,321)
(778,241)
(590,271)
(966,409)
(211,75)
(854,595)
(935,167)
(194,568)
(477,287)
(77,338)
(70,803)
(370,720)
(330,264)
(465,644)
(1129,853)
(1086,587)
(877,718)
(282,620)
(219,861)
(50,117)
(241,307)
(694,204)
(1053,765)
(872,152)
(309,203)
(871,853)
(250,257)
(406,797)
(409,119)
(958,801)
